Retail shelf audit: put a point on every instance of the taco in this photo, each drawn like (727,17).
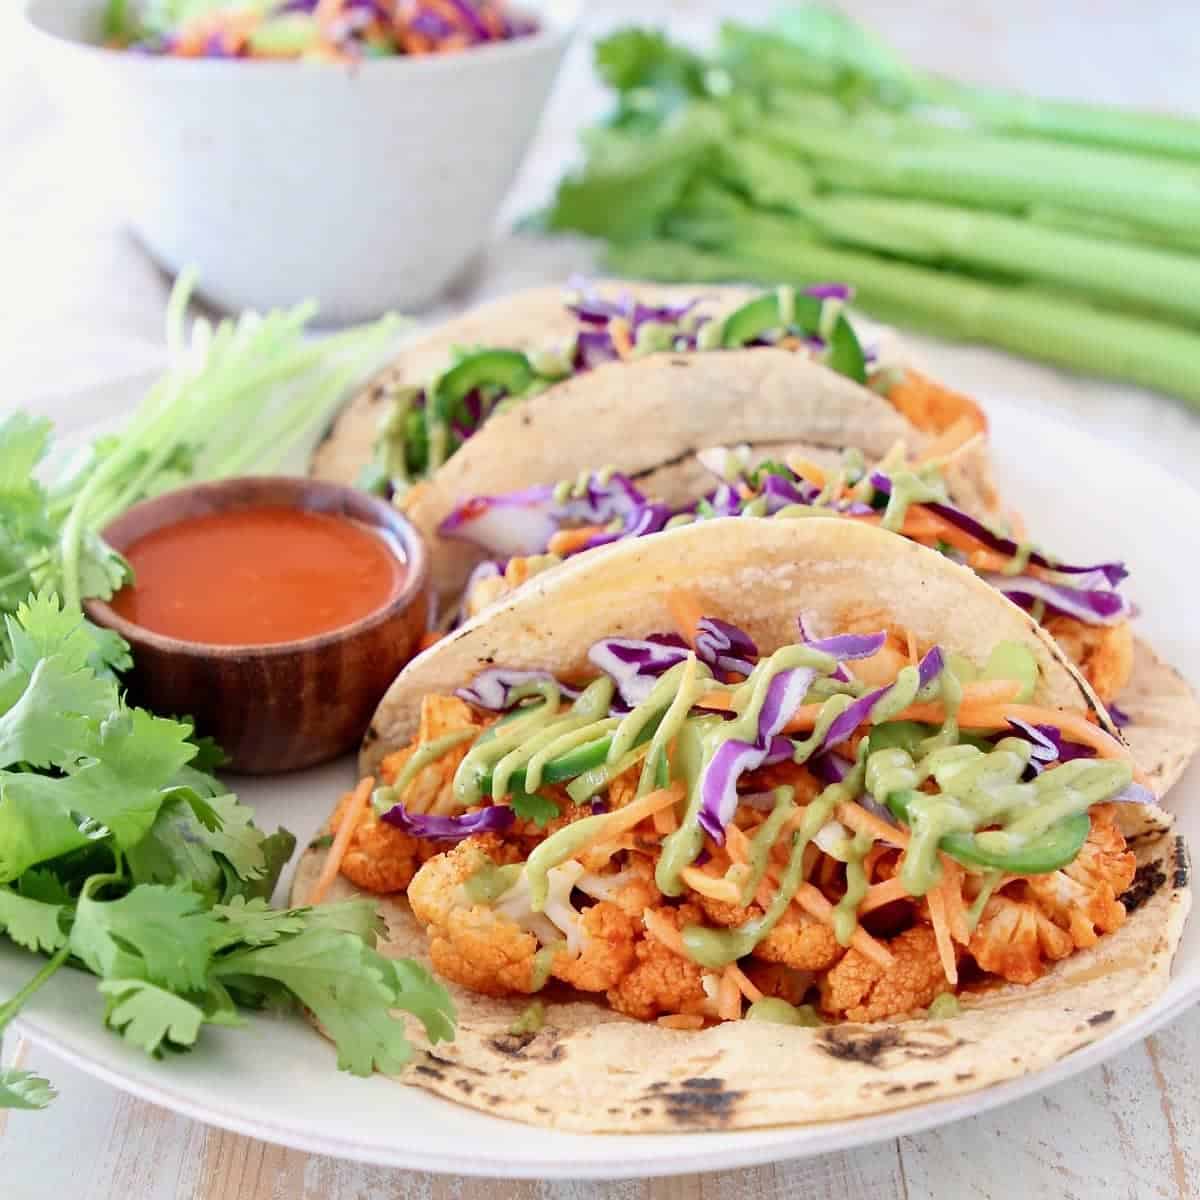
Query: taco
(535,529)
(755,823)
(559,382)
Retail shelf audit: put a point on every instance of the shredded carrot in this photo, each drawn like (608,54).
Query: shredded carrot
(987,692)
(912,647)
(952,441)
(353,810)
(815,904)
(871,862)
(857,818)
(632,814)
(618,330)
(570,541)
(729,998)
(1074,725)
(429,639)
(941,931)
(952,892)
(737,844)
(665,821)
(708,885)
(686,612)
(681,1021)
(661,930)
(747,988)
(806,469)
(883,893)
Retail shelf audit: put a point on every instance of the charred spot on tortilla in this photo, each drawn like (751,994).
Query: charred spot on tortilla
(1147,879)
(963,1076)
(1101,1018)
(870,1047)
(704,1101)
(466,1068)
(427,1070)
(895,1089)
(543,1046)
(465,1086)
(1183,864)
(923,1084)
(855,1044)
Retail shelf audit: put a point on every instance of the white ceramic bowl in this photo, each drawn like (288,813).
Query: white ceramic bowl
(367,187)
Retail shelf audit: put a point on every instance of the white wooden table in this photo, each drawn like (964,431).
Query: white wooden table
(80,306)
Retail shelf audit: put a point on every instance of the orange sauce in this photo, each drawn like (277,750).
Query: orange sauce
(256,576)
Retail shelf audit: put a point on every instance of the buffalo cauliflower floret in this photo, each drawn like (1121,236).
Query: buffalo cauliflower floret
(796,941)
(1014,939)
(607,952)
(662,981)
(1104,653)
(471,944)
(1082,897)
(931,407)
(858,989)
(379,858)
(432,790)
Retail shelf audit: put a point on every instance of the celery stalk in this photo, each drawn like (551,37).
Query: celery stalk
(1139,277)
(1000,172)
(1023,320)
(1144,132)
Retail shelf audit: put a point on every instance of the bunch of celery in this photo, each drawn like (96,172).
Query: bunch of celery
(1066,232)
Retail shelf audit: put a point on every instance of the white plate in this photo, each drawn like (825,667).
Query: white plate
(277,1079)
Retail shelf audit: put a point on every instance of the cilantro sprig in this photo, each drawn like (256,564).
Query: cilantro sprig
(121,855)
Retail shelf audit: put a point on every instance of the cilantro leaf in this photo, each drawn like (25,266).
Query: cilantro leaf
(236,838)
(33,828)
(52,723)
(44,885)
(255,923)
(43,628)
(160,934)
(529,806)
(24,1089)
(417,992)
(348,988)
(31,923)
(277,848)
(148,1016)
(120,786)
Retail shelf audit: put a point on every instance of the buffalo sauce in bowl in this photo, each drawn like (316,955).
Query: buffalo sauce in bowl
(257,576)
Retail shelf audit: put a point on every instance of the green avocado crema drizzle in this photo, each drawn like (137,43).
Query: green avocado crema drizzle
(983,813)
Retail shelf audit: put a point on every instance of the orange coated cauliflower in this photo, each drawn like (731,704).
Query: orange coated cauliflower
(433,788)
(379,858)
(607,954)
(471,944)
(857,989)
(797,941)
(931,407)
(1082,897)
(1103,653)
(661,980)
(1014,939)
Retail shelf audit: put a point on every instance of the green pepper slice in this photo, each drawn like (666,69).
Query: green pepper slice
(575,762)
(1055,848)
(762,314)
(508,370)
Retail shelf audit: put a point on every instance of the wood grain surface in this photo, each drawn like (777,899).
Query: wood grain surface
(82,307)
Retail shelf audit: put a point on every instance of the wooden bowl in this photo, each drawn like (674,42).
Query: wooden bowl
(292,704)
